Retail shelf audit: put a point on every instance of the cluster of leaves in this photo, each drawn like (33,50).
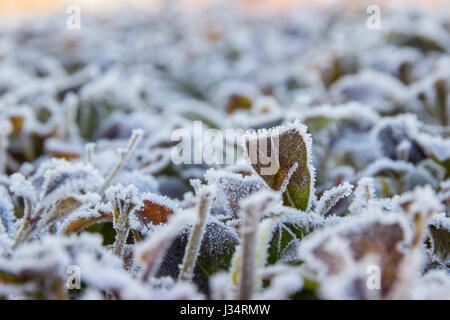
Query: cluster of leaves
(363,157)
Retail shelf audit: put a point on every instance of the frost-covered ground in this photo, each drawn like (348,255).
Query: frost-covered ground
(93,205)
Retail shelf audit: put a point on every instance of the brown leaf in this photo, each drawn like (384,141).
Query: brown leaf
(84,220)
(155,210)
(283,155)
(376,237)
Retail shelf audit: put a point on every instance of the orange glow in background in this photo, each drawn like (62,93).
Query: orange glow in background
(33,7)
(36,6)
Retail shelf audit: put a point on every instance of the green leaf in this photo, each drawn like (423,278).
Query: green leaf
(282,157)
(419,41)
(440,235)
(216,252)
(289,230)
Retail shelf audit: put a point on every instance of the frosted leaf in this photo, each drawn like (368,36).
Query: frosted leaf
(198,111)
(154,210)
(7,217)
(422,200)
(259,204)
(391,132)
(288,231)
(120,125)
(325,116)
(379,91)
(27,169)
(434,285)
(265,105)
(65,206)
(172,186)
(265,113)
(403,149)
(83,219)
(310,221)
(142,181)
(354,283)
(342,173)
(87,252)
(397,176)
(218,246)
(432,97)
(440,235)
(436,170)
(282,286)
(283,147)
(30,278)
(387,166)
(288,177)
(216,252)
(69,179)
(235,96)
(422,35)
(368,236)
(232,188)
(38,175)
(21,187)
(149,253)
(121,196)
(397,61)
(263,238)
(62,149)
(112,278)
(154,161)
(364,193)
(434,146)
(331,197)
(420,206)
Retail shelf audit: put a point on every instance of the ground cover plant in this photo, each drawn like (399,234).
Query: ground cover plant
(92,205)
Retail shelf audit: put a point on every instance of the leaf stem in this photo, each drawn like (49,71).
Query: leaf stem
(196,236)
(124,154)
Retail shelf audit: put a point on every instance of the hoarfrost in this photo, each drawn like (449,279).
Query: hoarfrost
(282,286)
(364,193)
(232,188)
(7,217)
(21,187)
(331,197)
(69,179)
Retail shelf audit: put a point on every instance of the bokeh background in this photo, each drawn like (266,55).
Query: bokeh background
(26,7)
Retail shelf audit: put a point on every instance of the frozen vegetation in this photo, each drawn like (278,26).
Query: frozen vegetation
(93,207)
